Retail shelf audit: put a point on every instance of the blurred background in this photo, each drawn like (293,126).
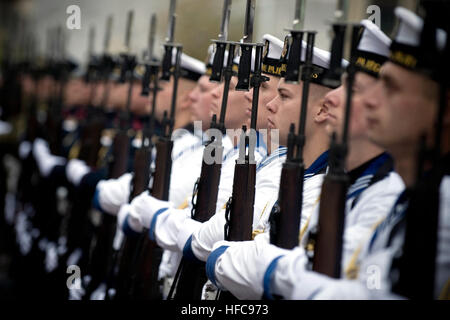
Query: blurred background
(198,21)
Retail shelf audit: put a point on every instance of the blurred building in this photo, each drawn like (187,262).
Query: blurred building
(198,21)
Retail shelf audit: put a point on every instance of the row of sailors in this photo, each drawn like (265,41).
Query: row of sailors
(390,110)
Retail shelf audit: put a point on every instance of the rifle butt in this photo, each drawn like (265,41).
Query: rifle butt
(287,220)
(328,248)
(207,191)
(241,215)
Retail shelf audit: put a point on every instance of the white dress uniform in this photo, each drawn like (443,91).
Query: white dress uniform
(312,186)
(113,193)
(170,227)
(373,281)
(373,204)
(284,272)
(187,152)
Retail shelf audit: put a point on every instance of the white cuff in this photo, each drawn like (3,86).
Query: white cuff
(188,229)
(24,149)
(44,159)
(113,193)
(146,206)
(75,171)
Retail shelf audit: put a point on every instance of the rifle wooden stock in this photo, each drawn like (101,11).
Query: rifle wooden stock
(243,196)
(123,259)
(192,276)
(163,168)
(102,249)
(120,155)
(144,286)
(328,247)
(126,266)
(90,141)
(208,188)
(287,219)
(142,160)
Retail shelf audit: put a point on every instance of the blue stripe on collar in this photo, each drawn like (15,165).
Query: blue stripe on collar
(279,152)
(364,181)
(318,165)
(398,211)
(189,148)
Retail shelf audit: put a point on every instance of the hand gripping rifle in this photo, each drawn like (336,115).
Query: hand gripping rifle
(414,272)
(190,276)
(145,285)
(102,252)
(126,260)
(286,215)
(328,246)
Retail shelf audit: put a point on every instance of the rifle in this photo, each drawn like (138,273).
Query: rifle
(144,284)
(190,276)
(125,259)
(286,214)
(102,251)
(419,255)
(328,247)
(94,124)
(60,69)
(239,208)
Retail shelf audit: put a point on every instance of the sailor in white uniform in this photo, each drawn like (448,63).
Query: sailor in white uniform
(112,193)
(281,110)
(268,172)
(400,109)
(178,226)
(374,188)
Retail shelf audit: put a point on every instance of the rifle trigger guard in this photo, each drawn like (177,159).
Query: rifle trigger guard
(194,199)
(227,217)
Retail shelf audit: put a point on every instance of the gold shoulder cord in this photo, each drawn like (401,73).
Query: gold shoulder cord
(445,293)
(351,272)
(256,232)
(185,203)
(75,150)
(303,231)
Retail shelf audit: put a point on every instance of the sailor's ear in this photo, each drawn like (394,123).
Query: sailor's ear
(321,112)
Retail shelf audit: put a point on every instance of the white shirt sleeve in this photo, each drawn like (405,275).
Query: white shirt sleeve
(113,193)
(240,269)
(44,159)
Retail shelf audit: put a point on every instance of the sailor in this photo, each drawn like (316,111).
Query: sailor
(113,193)
(374,188)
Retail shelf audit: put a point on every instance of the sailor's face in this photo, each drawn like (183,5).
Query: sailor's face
(28,86)
(118,95)
(235,115)
(267,93)
(76,92)
(400,108)
(98,94)
(201,99)
(46,86)
(284,109)
(335,104)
